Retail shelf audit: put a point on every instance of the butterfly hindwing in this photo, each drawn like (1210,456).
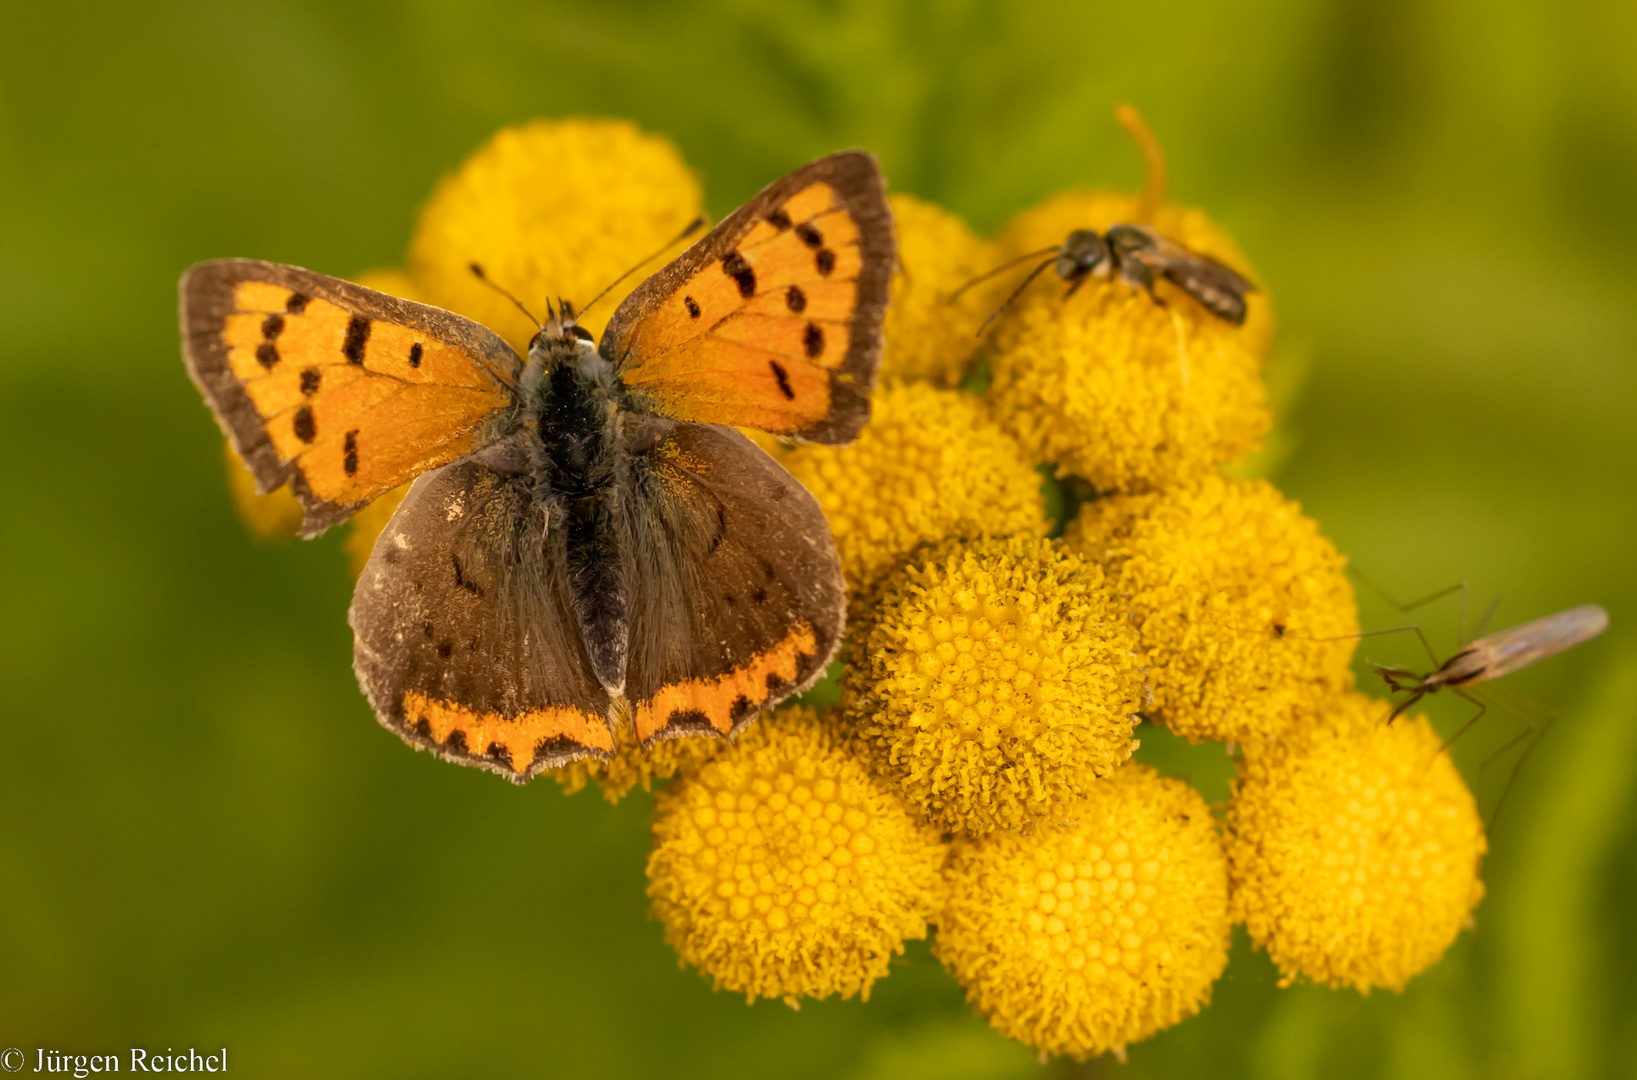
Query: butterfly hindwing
(338,390)
(738,599)
(465,640)
(772,320)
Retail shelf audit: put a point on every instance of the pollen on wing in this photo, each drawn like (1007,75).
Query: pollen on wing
(1110,385)
(782,869)
(551,209)
(993,682)
(926,336)
(1244,609)
(1080,939)
(929,465)
(1353,847)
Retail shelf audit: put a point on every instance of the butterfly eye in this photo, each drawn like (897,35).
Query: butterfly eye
(582,333)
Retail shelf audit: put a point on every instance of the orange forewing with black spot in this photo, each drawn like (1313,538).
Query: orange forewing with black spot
(340,391)
(773,320)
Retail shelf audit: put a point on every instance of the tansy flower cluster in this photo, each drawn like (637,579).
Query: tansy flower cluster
(975,778)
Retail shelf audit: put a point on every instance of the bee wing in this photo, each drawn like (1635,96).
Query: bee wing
(1219,288)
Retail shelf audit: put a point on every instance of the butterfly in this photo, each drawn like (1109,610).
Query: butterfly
(1138,256)
(588,541)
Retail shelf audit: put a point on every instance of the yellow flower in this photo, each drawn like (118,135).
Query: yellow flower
(993,683)
(551,209)
(1353,847)
(782,869)
(926,335)
(1080,939)
(928,466)
(1242,606)
(275,515)
(1110,385)
(631,765)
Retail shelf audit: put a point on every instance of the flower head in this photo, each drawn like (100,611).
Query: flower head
(1242,606)
(551,209)
(1353,847)
(1113,387)
(927,335)
(782,869)
(929,465)
(1080,939)
(993,683)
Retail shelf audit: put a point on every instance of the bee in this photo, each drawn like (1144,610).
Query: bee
(1138,256)
(1495,655)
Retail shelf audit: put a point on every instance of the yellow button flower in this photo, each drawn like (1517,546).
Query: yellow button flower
(926,335)
(782,869)
(1080,939)
(929,465)
(1242,606)
(1110,385)
(993,683)
(551,209)
(1353,846)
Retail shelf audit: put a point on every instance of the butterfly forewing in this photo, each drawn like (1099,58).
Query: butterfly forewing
(773,320)
(338,390)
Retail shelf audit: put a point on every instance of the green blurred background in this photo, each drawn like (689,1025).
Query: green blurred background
(205,839)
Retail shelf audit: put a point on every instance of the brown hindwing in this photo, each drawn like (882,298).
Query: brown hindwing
(465,640)
(340,391)
(739,599)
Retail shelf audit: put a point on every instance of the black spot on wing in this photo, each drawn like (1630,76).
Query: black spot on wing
(462,580)
(813,339)
(267,354)
(415,355)
(810,235)
(692,305)
(783,378)
(272,326)
(296,304)
(795,299)
(779,219)
(357,334)
(304,427)
(825,260)
(735,267)
(310,380)
(350,461)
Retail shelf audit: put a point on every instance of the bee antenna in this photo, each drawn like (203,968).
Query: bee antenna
(692,227)
(1017,292)
(1153,157)
(477,272)
(1007,265)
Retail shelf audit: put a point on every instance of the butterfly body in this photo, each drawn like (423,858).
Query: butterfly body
(589,541)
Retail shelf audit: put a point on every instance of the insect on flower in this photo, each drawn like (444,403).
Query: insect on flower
(1134,253)
(1495,655)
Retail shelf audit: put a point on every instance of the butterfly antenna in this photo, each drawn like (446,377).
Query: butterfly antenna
(1153,157)
(1015,294)
(693,227)
(1007,265)
(477,272)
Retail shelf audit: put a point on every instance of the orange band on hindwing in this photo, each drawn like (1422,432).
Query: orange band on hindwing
(516,738)
(716,699)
